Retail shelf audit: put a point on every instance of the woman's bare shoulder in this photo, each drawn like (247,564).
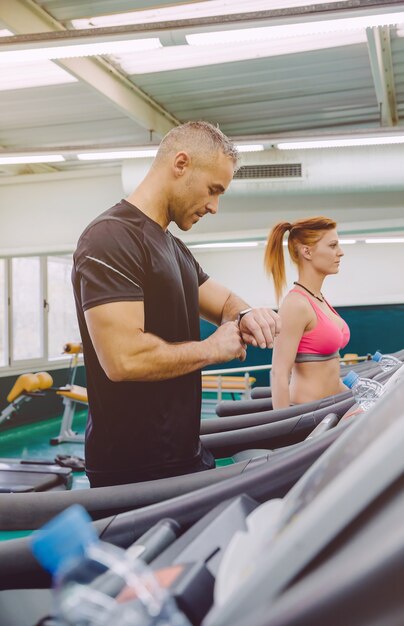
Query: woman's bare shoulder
(295,301)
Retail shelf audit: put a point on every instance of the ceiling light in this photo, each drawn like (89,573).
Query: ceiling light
(252,147)
(185,57)
(127,154)
(79,50)
(32,158)
(339,143)
(347,242)
(385,240)
(35,74)
(189,11)
(295,30)
(32,74)
(226,244)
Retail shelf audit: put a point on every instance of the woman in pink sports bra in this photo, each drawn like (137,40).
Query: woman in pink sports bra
(305,364)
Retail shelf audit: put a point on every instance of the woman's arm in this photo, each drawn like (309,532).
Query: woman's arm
(295,316)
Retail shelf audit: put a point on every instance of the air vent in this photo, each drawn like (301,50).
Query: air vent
(287,170)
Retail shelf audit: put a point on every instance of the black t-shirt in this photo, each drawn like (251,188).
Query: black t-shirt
(125,255)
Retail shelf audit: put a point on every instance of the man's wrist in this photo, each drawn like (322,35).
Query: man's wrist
(242,313)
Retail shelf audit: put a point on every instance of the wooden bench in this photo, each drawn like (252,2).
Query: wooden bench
(233,384)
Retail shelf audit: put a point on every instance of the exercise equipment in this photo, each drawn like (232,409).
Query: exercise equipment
(72,396)
(269,478)
(365,363)
(18,569)
(262,400)
(217,384)
(26,476)
(29,386)
(334,526)
(23,476)
(25,388)
(30,511)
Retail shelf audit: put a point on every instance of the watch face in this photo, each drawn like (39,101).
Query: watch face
(242,313)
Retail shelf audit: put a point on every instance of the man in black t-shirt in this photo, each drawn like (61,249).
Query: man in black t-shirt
(139,294)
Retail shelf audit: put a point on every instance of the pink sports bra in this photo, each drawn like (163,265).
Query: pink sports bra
(325,340)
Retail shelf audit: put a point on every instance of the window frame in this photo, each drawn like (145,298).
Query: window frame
(7,312)
(12,366)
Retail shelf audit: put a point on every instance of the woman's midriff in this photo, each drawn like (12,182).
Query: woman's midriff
(315,380)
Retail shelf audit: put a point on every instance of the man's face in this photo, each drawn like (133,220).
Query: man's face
(198,189)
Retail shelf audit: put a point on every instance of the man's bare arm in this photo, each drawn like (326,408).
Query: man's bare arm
(220,305)
(127,352)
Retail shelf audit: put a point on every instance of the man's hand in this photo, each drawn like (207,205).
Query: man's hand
(226,343)
(259,327)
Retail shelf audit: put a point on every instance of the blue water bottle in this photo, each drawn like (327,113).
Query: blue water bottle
(364,390)
(96,583)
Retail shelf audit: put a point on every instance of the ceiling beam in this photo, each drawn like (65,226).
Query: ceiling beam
(383,73)
(56,33)
(25,16)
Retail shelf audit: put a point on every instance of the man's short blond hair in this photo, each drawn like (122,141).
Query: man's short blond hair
(199,139)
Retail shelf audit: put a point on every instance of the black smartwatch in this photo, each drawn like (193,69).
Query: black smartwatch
(242,313)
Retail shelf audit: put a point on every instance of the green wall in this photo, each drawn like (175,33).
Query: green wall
(375,327)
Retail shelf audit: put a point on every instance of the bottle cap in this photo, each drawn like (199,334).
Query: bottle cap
(350,379)
(65,537)
(377,356)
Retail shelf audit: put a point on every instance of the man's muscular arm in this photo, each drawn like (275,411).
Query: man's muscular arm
(127,352)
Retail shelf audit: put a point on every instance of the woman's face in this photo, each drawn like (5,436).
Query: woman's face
(326,253)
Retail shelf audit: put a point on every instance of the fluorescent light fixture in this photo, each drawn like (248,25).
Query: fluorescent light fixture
(225,244)
(385,240)
(295,30)
(343,242)
(32,74)
(340,143)
(124,154)
(185,57)
(252,147)
(79,50)
(36,74)
(327,34)
(32,158)
(189,11)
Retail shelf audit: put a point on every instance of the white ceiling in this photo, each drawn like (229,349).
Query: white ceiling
(339,89)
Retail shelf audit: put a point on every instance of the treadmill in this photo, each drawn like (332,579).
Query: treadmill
(334,551)
(353,490)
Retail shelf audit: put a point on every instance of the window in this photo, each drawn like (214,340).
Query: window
(27,309)
(62,321)
(3,315)
(37,311)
